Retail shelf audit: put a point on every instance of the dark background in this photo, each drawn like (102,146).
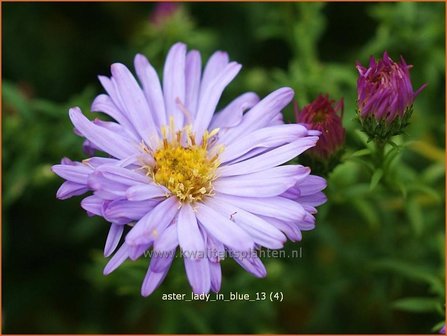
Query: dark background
(375,262)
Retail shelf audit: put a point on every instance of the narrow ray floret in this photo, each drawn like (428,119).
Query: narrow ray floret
(180,174)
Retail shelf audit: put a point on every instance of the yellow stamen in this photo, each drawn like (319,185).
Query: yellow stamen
(185,168)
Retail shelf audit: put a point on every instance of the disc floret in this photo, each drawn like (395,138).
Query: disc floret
(185,167)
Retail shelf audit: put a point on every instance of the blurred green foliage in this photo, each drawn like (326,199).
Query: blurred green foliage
(375,262)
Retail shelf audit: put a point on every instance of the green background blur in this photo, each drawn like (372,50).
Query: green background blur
(375,262)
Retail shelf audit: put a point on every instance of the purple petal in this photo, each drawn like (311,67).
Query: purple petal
(214,249)
(262,232)
(113,238)
(103,103)
(167,241)
(308,224)
(106,188)
(216,276)
(231,115)
(275,207)
(313,200)
(189,235)
(223,229)
(122,176)
(110,87)
(108,141)
(213,67)
(311,185)
(270,159)
(123,210)
(136,251)
(112,181)
(174,82)
(89,148)
(198,273)
(271,182)
(152,89)
(118,258)
(112,126)
(251,264)
(192,77)
(141,192)
(268,137)
(210,95)
(73,173)
(69,189)
(261,114)
(93,205)
(96,161)
(151,225)
(248,155)
(153,279)
(134,102)
(161,260)
(290,229)
(165,245)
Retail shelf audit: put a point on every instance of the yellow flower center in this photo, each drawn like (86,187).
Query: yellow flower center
(185,167)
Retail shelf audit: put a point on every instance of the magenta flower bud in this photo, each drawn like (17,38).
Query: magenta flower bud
(322,115)
(162,11)
(385,96)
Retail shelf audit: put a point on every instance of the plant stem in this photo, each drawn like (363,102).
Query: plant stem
(380,153)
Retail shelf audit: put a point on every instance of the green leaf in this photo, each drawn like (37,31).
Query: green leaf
(361,152)
(390,156)
(411,272)
(403,188)
(393,144)
(417,304)
(12,95)
(438,326)
(358,190)
(375,179)
(367,210)
(364,139)
(434,172)
(415,215)
(364,163)
(408,143)
(425,189)
(48,108)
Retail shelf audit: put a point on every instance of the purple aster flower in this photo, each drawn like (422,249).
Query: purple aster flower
(385,96)
(180,175)
(442,331)
(323,115)
(384,89)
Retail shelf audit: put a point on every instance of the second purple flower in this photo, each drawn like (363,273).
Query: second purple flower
(385,97)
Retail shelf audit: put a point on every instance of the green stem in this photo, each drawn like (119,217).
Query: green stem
(380,153)
(380,162)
